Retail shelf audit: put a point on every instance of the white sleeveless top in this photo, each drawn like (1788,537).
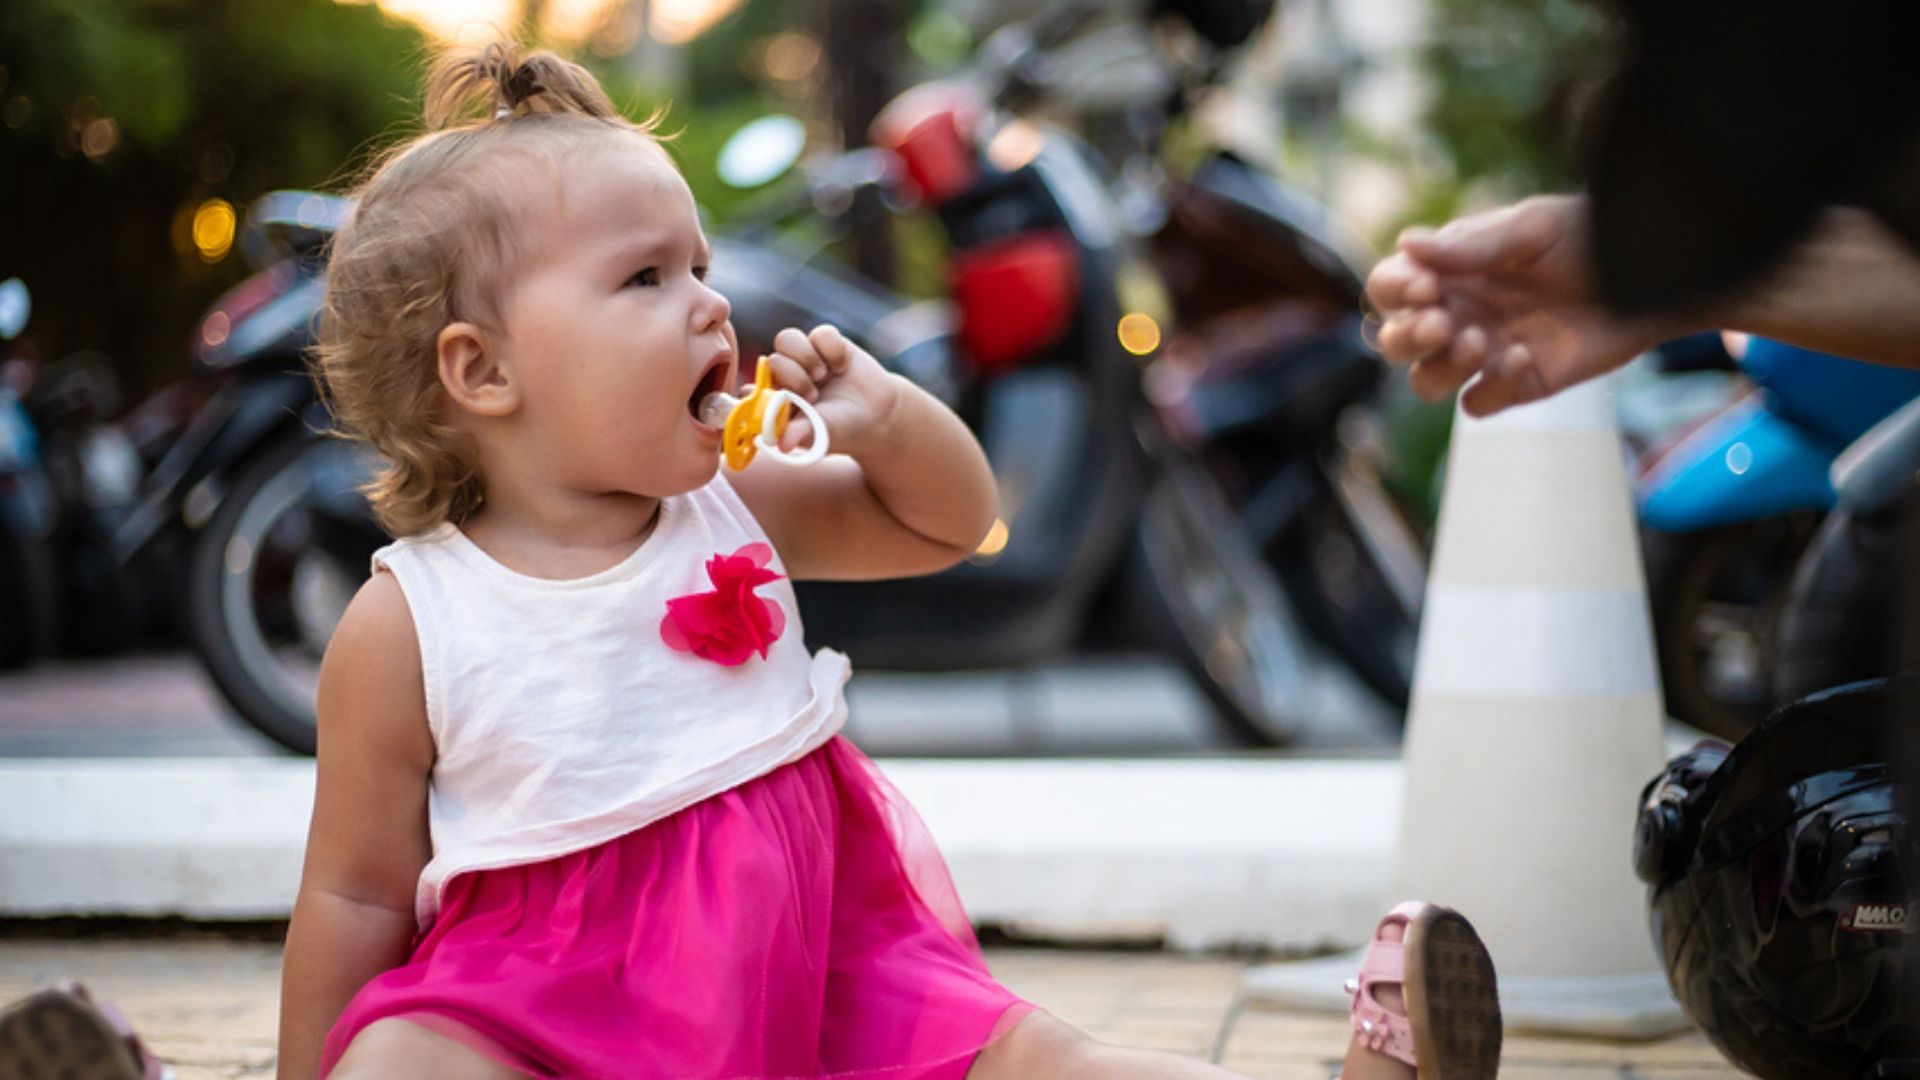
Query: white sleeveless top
(561,719)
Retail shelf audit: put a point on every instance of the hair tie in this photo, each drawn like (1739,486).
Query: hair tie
(503,112)
(523,83)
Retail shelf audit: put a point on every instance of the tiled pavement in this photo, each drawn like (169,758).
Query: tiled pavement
(209,1006)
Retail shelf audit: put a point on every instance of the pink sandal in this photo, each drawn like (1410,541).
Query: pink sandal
(1451,1029)
(65,1032)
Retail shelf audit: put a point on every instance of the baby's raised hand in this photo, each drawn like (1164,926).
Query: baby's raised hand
(854,394)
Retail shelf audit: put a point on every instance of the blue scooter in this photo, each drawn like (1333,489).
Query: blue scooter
(1727,510)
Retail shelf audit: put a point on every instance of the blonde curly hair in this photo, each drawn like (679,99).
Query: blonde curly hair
(433,225)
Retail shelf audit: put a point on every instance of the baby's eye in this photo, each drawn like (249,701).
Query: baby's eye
(700,273)
(647,278)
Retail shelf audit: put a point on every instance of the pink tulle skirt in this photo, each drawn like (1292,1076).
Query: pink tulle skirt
(799,925)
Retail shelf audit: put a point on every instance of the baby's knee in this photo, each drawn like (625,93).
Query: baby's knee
(1039,1044)
(395,1047)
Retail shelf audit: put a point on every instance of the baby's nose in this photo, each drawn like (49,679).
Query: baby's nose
(713,309)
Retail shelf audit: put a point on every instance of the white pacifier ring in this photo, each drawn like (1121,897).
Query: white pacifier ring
(816,447)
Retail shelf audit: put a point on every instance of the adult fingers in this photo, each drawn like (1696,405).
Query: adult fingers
(1408,336)
(1512,377)
(1399,281)
(1439,375)
(1506,236)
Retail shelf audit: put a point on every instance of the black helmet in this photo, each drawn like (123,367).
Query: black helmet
(1777,899)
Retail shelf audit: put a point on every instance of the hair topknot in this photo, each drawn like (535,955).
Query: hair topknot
(498,79)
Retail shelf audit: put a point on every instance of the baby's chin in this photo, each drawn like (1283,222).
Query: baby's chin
(690,477)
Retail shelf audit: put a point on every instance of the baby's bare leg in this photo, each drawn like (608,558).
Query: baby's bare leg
(400,1048)
(1043,1046)
(1040,1045)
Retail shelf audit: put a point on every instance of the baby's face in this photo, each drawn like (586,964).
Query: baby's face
(612,329)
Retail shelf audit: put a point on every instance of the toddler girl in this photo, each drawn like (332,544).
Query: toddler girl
(582,805)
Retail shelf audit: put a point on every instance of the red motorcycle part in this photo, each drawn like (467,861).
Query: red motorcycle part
(1015,296)
(930,128)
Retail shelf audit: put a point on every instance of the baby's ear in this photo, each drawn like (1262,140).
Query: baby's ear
(472,373)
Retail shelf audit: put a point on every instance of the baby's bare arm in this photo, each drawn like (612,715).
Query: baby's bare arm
(368,840)
(908,490)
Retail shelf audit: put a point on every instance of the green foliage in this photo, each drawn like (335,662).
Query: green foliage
(1511,79)
(205,99)
(697,133)
(231,99)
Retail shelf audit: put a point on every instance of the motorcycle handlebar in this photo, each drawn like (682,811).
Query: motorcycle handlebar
(1879,467)
(290,223)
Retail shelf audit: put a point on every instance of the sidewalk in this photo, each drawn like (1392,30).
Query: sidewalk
(209,1006)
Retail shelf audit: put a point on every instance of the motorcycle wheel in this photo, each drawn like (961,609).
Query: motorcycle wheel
(1838,624)
(1717,597)
(1214,603)
(1345,599)
(265,594)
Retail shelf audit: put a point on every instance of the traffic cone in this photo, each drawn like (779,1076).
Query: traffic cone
(1536,719)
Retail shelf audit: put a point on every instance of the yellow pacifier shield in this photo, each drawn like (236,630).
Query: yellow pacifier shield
(746,420)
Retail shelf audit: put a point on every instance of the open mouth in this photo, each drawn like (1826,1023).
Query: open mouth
(712,381)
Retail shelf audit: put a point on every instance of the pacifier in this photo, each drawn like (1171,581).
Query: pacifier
(757,421)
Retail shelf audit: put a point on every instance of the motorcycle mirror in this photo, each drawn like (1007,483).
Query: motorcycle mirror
(15,306)
(761,150)
(1110,69)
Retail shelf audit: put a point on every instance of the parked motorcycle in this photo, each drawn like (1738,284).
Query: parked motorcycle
(1267,377)
(1264,371)
(1053,313)
(259,510)
(94,466)
(1729,509)
(1851,601)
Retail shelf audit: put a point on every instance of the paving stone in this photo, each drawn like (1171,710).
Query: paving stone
(211,1007)
(1691,1049)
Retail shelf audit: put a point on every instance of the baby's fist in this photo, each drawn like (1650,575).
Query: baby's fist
(854,394)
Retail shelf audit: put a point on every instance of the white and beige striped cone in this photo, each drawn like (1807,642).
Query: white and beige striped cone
(1536,719)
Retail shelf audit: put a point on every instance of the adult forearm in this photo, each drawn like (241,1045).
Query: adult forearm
(1852,288)
(930,473)
(334,946)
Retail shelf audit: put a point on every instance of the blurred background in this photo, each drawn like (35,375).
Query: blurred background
(1127,249)
(133,130)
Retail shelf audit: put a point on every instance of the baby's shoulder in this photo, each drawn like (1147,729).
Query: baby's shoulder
(378,614)
(371,681)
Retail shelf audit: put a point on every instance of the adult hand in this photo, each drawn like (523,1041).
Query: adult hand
(1506,296)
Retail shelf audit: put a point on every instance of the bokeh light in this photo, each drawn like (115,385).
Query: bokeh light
(1139,334)
(1014,145)
(565,22)
(791,57)
(99,137)
(213,225)
(214,332)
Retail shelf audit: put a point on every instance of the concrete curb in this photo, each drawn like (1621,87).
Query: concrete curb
(1291,854)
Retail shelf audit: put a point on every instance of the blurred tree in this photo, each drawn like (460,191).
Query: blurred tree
(123,116)
(862,53)
(1511,78)
(118,118)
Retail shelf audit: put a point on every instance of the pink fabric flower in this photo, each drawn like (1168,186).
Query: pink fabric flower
(729,624)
